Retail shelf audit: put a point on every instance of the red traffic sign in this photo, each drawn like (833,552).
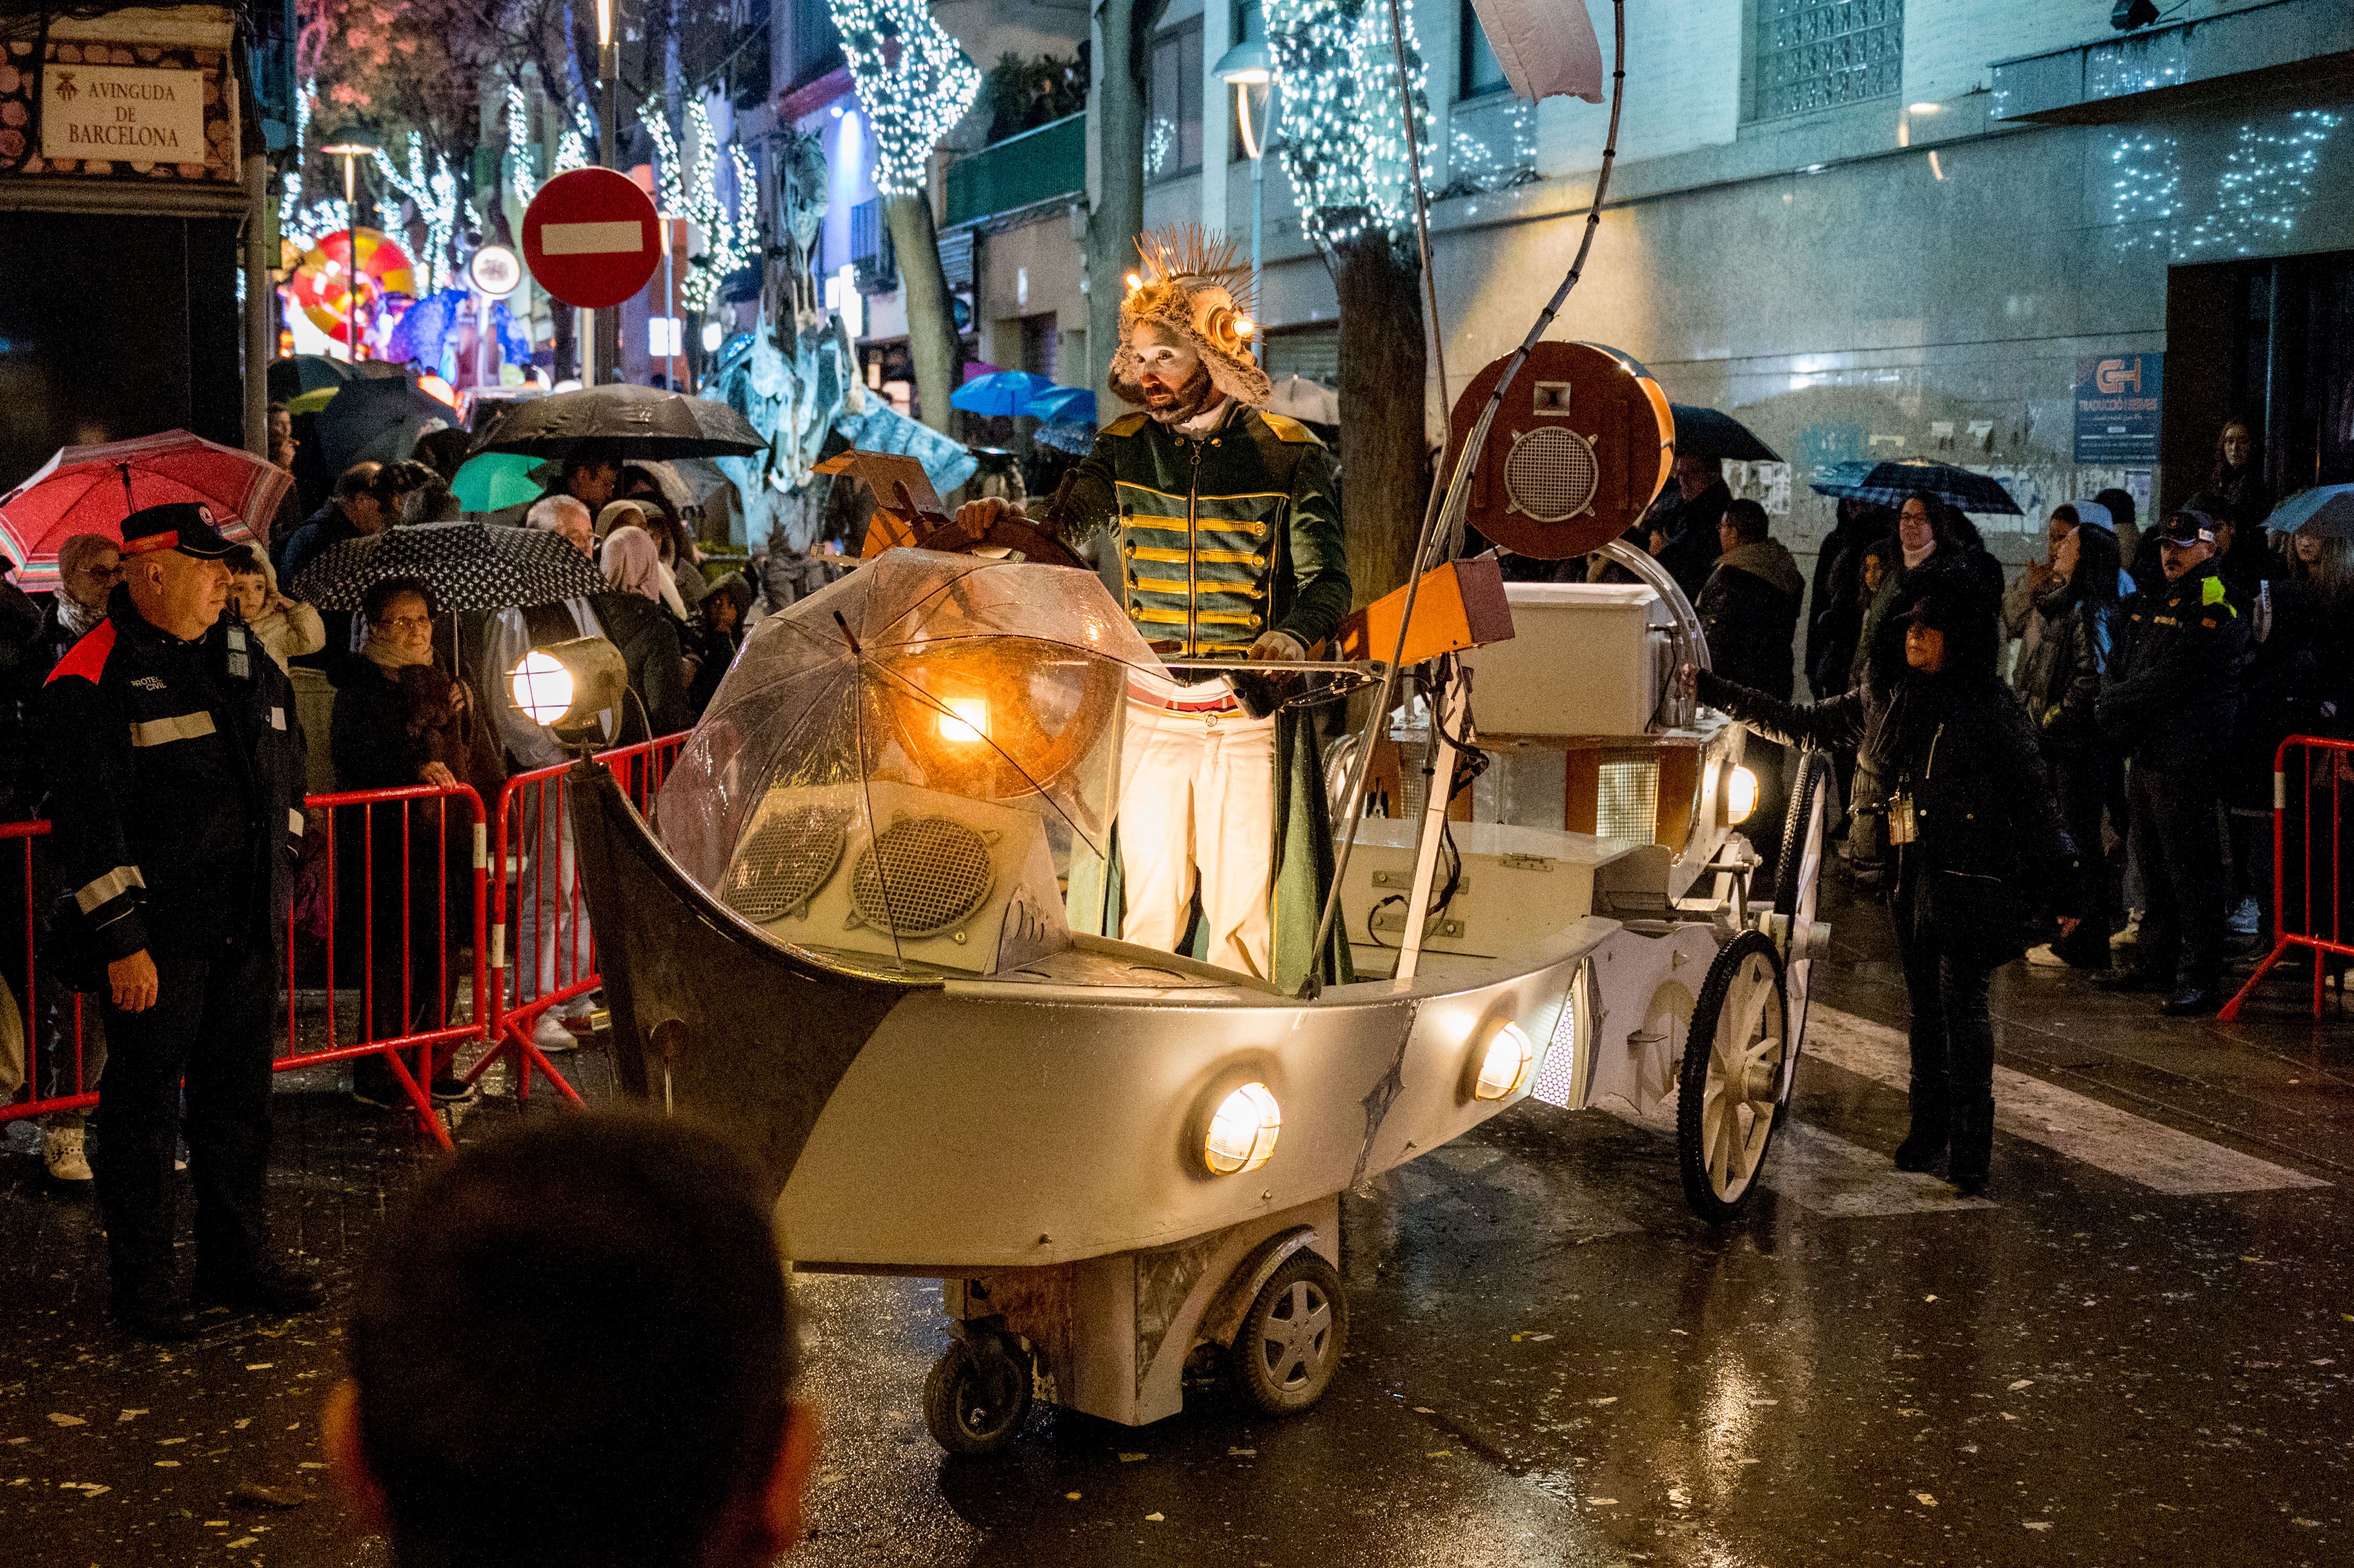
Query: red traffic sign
(589,237)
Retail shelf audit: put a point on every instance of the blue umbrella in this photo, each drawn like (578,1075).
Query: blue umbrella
(1074,438)
(1890,482)
(1065,404)
(2328,511)
(1000,392)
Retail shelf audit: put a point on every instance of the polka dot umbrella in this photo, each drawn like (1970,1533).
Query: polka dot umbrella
(91,489)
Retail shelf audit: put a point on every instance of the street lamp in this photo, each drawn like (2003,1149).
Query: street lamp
(350,142)
(607,322)
(1245,65)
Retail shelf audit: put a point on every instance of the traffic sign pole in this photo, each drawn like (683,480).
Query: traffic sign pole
(589,237)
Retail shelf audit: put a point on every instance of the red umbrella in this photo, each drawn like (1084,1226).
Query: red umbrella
(90,490)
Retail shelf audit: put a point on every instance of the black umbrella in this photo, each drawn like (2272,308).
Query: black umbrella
(300,373)
(1890,482)
(376,420)
(468,566)
(636,421)
(1705,433)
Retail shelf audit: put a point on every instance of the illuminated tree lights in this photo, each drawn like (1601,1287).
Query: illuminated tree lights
(730,242)
(916,80)
(436,198)
(1342,135)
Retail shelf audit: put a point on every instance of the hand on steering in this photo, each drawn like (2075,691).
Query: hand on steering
(975,516)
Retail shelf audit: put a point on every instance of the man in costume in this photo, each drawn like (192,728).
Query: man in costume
(1228,524)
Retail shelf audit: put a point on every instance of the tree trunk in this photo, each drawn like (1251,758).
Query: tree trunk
(1384,451)
(1126,50)
(932,339)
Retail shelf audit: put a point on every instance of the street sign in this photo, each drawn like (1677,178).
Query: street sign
(589,237)
(495,271)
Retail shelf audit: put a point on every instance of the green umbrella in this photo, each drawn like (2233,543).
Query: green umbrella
(493,482)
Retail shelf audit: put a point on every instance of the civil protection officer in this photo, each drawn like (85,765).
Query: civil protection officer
(1228,527)
(174,764)
(2167,701)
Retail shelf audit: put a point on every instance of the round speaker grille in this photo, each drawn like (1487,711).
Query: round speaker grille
(787,859)
(934,870)
(1551,473)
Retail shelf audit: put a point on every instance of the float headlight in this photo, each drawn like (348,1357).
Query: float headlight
(1740,794)
(564,685)
(1242,1132)
(1504,1064)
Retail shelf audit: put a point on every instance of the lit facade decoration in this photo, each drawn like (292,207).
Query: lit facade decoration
(1341,136)
(915,77)
(730,241)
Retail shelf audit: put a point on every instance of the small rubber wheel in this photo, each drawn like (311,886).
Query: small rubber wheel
(1290,1344)
(1733,1078)
(975,1400)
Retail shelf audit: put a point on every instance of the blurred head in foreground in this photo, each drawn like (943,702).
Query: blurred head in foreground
(572,1347)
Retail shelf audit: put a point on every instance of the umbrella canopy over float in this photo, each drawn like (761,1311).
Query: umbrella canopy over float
(2326,511)
(634,421)
(468,566)
(919,682)
(1705,433)
(1888,483)
(91,489)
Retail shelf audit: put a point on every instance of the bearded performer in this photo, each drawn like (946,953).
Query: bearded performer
(1228,527)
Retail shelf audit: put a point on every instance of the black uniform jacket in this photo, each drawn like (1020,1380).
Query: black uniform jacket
(2172,695)
(175,775)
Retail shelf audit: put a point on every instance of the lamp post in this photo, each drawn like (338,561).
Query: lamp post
(350,142)
(1245,65)
(607,321)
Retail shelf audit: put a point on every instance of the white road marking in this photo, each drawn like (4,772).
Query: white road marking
(1828,1175)
(593,238)
(2068,1123)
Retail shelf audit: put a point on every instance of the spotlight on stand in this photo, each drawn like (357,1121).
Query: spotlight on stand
(564,685)
(2127,15)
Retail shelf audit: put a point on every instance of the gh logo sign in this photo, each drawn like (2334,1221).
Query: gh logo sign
(2113,377)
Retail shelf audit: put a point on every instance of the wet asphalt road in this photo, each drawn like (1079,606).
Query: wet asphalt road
(1550,1361)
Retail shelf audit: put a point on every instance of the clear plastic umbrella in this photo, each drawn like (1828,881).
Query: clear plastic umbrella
(920,709)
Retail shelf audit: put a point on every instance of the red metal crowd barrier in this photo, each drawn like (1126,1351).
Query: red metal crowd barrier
(2310,779)
(398,923)
(542,953)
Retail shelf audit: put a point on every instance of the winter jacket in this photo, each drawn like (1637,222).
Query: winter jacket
(24,665)
(2170,698)
(326,526)
(2280,685)
(1221,537)
(1690,555)
(174,774)
(291,632)
(2074,640)
(1834,612)
(1749,613)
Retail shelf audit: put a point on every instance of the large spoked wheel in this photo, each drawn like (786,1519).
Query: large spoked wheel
(1798,887)
(1734,1077)
(1290,1345)
(978,1396)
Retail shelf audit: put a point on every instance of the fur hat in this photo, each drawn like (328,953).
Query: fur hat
(1192,285)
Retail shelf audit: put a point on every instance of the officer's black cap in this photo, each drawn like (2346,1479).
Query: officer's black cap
(2187,528)
(184,525)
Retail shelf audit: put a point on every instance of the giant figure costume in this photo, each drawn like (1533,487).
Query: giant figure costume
(1228,524)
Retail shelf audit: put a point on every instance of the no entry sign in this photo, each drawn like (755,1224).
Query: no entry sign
(589,237)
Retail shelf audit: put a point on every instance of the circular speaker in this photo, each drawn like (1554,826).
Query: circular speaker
(782,865)
(1550,473)
(921,877)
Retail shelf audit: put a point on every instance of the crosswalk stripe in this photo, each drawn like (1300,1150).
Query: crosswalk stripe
(1825,1174)
(2082,1128)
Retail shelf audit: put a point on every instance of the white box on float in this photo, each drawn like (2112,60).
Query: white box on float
(1585,660)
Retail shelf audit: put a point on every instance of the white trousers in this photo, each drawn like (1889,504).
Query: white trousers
(1197,808)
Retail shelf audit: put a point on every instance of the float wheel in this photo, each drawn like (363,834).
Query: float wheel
(1734,1077)
(977,1396)
(1290,1344)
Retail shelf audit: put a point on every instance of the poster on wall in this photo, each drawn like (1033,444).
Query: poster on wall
(2117,397)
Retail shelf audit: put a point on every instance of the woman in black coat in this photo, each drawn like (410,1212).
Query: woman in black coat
(2060,683)
(1974,828)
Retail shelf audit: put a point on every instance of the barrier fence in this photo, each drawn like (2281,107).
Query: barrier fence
(394,888)
(2311,777)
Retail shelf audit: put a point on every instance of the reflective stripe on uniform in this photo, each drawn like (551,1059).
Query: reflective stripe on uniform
(111,886)
(294,822)
(278,718)
(179,726)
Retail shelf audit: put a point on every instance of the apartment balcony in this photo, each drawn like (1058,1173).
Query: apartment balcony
(1048,163)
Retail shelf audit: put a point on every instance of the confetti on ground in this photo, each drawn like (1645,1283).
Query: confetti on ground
(167,1464)
(2022,1383)
(1606,1502)
(67,1420)
(1242,1453)
(128,1414)
(1132,1458)
(259,1366)
(1925,1499)
(1438,1453)
(1073,1496)
(1152,1518)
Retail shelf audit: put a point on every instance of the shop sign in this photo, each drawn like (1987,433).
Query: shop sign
(133,114)
(2117,397)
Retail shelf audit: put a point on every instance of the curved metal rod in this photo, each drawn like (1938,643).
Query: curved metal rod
(1436,515)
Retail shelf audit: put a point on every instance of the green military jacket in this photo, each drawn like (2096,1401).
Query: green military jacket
(1219,538)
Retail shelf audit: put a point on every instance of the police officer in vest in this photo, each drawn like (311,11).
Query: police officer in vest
(174,766)
(2167,701)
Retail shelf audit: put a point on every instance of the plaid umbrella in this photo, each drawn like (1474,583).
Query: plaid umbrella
(91,489)
(2326,511)
(1890,482)
(468,566)
(1705,433)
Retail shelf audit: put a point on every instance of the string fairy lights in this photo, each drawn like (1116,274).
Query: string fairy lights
(915,79)
(730,241)
(1342,134)
(436,198)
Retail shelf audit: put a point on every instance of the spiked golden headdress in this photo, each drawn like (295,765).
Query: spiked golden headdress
(1193,285)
